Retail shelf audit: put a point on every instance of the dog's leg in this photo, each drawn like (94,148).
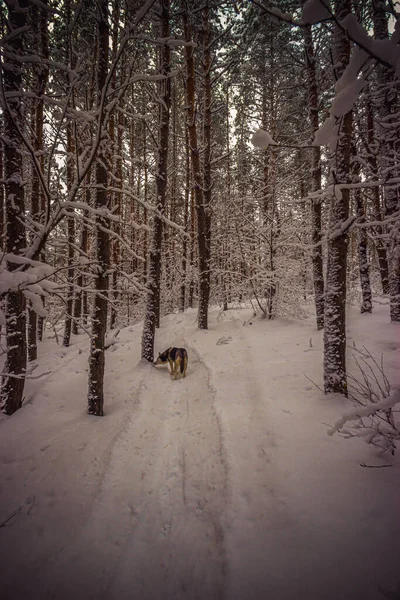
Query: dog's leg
(177,367)
(171,367)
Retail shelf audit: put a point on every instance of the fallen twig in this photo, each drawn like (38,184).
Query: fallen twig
(374,466)
(4,523)
(313,382)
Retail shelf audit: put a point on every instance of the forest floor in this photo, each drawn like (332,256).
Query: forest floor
(222,485)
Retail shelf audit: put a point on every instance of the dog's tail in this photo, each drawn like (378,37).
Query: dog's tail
(184,358)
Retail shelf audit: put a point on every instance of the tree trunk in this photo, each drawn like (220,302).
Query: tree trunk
(182,298)
(362,242)
(38,16)
(2,204)
(205,276)
(102,242)
(44,42)
(153,297)
(204,289)
(116,124)
(11,397)
(377,210)
(388,137)
(193,237)
(316,236)
(71,219)
(335,377)
(145,196)
(71,244)
(80,312)
(225,261)
(116,249)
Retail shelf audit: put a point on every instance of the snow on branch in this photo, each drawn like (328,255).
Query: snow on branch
(31,279)
(372,419)
(366,411)
(262,139)
(315,11)
(349,86)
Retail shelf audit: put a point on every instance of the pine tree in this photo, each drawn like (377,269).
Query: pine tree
(335,377)
(102,241)
(12,390)
(154,278)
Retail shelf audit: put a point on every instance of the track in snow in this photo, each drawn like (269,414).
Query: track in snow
(155,531)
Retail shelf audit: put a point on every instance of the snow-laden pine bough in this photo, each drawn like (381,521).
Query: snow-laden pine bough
(373,418)
(32,278)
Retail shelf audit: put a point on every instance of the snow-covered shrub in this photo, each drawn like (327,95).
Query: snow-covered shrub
(372,418)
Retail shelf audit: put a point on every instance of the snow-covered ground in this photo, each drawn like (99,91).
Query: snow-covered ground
(221,485)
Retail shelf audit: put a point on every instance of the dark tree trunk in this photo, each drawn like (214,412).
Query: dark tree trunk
(44,41)
(193,238)
(154,278)
(204,289)
(335,376)
(71,219)
(38,16)
(116,124)
(225,259)
(11,397)
(116,249)
(362,243)
(71,246)
(182,298)
(133,207)
(316,236)
(388,137)
(377,209)
(102,242)
(2,206)
(145,195)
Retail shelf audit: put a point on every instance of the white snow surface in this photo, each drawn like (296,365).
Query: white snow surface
(224,484)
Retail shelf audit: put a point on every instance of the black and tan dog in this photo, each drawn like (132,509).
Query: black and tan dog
(177,359)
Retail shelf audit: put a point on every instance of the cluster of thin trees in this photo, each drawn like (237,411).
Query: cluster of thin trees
(130,189)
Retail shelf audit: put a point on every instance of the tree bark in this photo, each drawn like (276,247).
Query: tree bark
(44,42)
(13,380)
(335,376)
(102,242)
(80,312)
(38,16)
(362,243)
(316,235)
(154,279)
(387,159)
(70,243)
(205,276)
(182,298)
(203,262)
(69,170)
(377,209)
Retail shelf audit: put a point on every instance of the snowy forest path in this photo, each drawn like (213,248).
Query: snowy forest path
(171,488)
(161,500)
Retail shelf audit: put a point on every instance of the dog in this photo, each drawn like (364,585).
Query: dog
(177,358)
